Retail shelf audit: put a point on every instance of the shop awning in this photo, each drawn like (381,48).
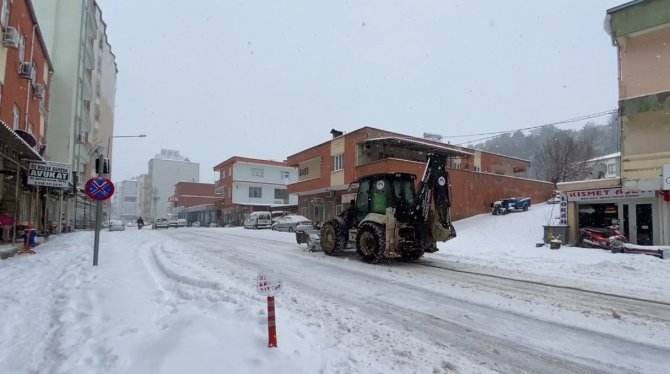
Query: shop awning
(10,138)
(418,145)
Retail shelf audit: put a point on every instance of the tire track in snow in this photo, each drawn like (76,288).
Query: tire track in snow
(523,354)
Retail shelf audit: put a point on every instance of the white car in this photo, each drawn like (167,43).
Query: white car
(160,223)
(258,220)
(290,222)
(195,224)
(181,222)
(116,225)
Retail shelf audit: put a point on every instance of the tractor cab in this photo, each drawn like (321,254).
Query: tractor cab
(380,191)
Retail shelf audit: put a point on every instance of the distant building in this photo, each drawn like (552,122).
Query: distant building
(605,167)
(167,169)
(144,196)
(195,202)
(128,209)
(248,184)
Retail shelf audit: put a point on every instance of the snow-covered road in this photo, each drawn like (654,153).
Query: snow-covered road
(184,300)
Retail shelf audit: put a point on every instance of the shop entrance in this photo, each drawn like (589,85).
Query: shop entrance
(635,220)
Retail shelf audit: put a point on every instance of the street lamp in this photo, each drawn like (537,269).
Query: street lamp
(109,145)
(109,140)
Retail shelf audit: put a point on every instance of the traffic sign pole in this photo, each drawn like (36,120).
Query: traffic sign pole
(98,189)
(96,243)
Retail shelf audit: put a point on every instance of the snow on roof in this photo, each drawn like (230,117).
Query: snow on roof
(419,145)
(607,157)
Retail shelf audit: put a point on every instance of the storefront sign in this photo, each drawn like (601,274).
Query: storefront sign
(607,194)
(666,177)
(50,174)
(563,211)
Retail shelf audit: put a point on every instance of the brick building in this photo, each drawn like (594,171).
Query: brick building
(477,178)
(195,202)
(25,79)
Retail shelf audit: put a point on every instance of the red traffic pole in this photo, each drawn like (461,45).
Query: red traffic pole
(272,329)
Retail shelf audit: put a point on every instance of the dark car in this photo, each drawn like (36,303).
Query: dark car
(512,204)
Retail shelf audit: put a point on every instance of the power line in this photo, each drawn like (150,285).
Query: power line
(580,118)
(498,133)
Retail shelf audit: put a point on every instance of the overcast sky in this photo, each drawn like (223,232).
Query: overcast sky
(267,79)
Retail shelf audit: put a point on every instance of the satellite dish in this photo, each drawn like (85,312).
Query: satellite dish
(26,137)
(599,171)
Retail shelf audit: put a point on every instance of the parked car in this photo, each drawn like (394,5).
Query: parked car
(290,222)
(195,224)
(116,225)
(258,220)
(182,222)
(512,204)
(213,224)
(160,223)
(309,234)
(172,222)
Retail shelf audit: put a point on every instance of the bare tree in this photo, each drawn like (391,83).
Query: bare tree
(564,158)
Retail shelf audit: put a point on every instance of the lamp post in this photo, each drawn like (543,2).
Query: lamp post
(109,146)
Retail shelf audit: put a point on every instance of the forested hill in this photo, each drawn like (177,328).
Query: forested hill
(604,140)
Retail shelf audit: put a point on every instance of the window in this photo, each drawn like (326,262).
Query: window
(611,169)
(477,168)
(285,174)
(255,192)
(6,6)
(337,162)
(256,172)
(281,194)
(303,171)
(17,116)
(22,48)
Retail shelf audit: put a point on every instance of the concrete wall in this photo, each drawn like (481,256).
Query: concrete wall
(645,63)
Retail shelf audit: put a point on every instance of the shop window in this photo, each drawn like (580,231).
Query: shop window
(598,215)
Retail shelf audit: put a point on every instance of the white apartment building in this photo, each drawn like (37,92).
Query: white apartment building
(247,184)
(81,116)
(165,170)
(125,205)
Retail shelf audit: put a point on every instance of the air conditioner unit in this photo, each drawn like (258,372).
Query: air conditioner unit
(39,91)
(26,70)
(11,37)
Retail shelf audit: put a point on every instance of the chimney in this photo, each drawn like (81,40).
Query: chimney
(336,133)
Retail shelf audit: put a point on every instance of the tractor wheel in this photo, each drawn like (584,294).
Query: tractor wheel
(333,237)
(370,242)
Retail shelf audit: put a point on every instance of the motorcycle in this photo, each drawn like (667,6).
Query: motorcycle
(609,238)
(139,226)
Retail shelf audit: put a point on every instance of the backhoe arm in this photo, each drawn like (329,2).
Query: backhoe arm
(433,205)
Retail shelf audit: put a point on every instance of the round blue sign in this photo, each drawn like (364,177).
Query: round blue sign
(99,188)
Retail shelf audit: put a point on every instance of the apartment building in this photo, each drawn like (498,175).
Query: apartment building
(26,72)
(326,170)
(167,169)
(637,201)
(127,207)
(144,196)
(248,184)
(83,91)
